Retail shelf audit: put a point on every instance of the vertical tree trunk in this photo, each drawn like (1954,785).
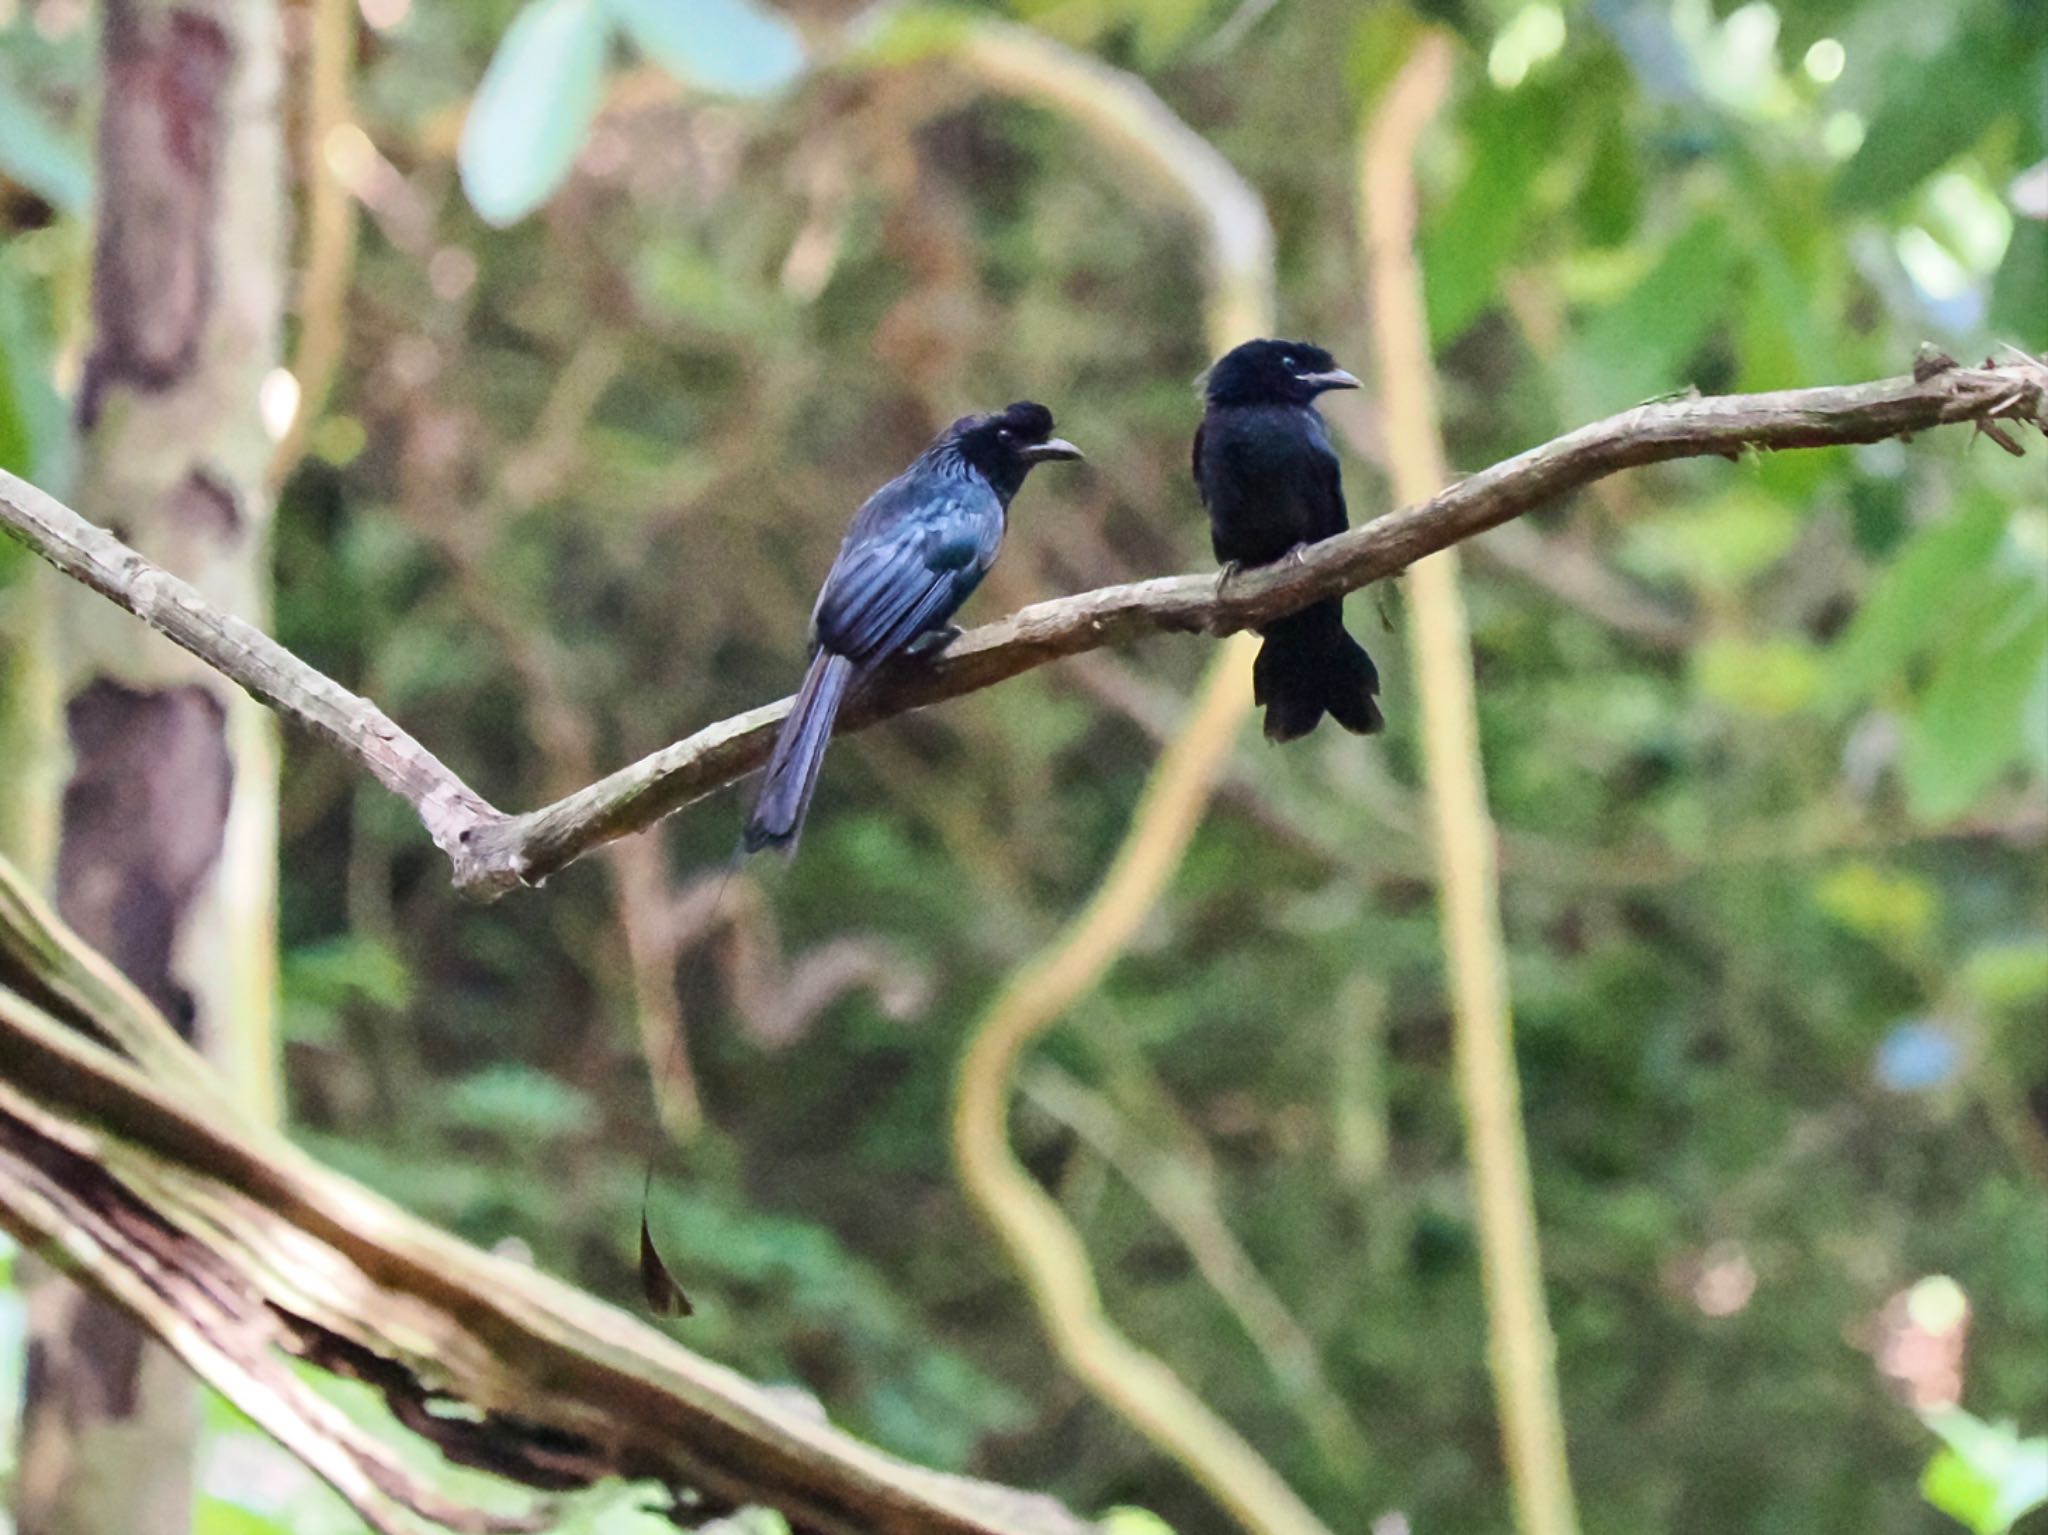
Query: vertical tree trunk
(166,847)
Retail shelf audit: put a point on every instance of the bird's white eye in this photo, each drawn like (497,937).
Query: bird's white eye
(1289,364)
(1004,433)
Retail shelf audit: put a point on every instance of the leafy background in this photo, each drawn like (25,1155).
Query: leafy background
(1767,742)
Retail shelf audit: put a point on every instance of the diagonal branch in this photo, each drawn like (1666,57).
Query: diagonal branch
(492,852)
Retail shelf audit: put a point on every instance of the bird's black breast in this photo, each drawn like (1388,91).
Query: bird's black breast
(1269,479)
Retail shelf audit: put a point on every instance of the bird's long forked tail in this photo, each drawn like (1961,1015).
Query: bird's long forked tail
(1309,666)
(777,820)
(659,1286)
(791,776)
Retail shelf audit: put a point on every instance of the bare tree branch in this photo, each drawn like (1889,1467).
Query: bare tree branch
(246,656)
(492,852)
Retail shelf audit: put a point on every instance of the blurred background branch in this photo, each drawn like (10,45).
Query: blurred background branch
(1048,1252)
(329,141)
(1520,1343)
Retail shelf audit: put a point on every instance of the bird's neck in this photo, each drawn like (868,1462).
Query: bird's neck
(1260,402)
(1005,479)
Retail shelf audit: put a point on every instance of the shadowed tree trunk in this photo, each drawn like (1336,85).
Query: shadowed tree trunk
(165,849)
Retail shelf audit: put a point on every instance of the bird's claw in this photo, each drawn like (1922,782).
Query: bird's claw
(1225,576)
(932,641)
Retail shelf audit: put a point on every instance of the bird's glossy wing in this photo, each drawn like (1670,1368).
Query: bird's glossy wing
(1195,462)
(1327,516)
(914,554)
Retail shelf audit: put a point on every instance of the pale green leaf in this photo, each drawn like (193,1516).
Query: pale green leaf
(1127,1520)
(535,104)
(2010,975)
(36,152)
(1889,905)
(733,46)
(1771,678)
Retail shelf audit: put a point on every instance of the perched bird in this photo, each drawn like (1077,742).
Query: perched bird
(917,549)
(1269,478)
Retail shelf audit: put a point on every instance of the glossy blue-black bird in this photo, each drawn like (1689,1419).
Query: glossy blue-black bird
(917,549)
(1269,479)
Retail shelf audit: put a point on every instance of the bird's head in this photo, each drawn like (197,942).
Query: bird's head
(1003,446)
(1273,373)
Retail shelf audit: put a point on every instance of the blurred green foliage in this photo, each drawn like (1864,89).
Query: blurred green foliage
(1775,897)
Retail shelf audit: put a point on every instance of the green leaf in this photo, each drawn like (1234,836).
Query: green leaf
(349,968)
(518,1100)
(215,1517)
(911,33)
(626,1508)
(1882,904)
(1969,727)
(1985,1476)
(36,152)
(1610,198)
(732,46)
(2011,975)
(1938,564)
(1464,247)
(1381,41)
(1718,546)
(1640,347)
(1932,110)
(1770,678)
(533,108)
(35,433)
(2034,725)
(2019,290)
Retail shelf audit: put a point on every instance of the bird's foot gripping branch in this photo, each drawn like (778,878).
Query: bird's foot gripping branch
(492,852)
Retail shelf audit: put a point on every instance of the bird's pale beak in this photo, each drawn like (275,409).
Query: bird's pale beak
(1052,447)
(1336,378)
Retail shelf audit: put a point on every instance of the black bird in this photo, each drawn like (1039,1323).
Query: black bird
(1267,474)
(917,549)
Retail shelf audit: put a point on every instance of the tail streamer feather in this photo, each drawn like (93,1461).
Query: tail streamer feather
(791,777)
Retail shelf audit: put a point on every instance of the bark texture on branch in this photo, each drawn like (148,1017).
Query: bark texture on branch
(492,852)
(129,1162)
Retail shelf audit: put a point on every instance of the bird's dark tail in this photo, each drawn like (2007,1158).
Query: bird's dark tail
(1310,666)
(792,772)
